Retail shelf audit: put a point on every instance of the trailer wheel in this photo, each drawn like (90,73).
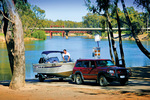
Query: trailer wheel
(61,79)
(41,79)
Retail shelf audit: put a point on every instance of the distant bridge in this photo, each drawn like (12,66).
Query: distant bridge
(81,29)
(87,30)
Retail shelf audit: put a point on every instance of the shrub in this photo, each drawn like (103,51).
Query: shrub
(1,34)
(130,37)
(40,34)
(27,33)
(125,32)
(104,34)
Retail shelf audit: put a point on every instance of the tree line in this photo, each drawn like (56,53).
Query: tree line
(34,17)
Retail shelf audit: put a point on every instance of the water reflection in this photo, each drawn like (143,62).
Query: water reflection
(5,72)
(78,47)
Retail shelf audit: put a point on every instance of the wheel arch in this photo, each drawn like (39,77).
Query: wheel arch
(100,74)
(78,72)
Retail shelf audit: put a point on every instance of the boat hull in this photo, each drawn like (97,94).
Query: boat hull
(54,69)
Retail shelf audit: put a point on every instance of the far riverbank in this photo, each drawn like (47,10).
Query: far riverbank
(143,37)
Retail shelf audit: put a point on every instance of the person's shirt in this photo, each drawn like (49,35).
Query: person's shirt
(66,56)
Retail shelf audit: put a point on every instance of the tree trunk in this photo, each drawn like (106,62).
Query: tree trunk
(120,39)
(112,58)
(9,42)
(112,40)
(138,42)
(18,78)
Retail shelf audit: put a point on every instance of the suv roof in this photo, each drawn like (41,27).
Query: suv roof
(91,59)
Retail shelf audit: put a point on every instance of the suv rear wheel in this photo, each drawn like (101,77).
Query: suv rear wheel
(78,79)
(103,81)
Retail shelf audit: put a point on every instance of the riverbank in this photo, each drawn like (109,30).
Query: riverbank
(2,39)
(143,37)
(53,89)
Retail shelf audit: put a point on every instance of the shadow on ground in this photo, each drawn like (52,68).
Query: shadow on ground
(90,83)
(142,73)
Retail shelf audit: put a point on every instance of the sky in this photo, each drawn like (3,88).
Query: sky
(72,10)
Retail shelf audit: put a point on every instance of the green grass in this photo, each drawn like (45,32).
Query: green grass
(1,34)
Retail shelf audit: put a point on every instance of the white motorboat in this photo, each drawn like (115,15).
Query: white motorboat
(51,66)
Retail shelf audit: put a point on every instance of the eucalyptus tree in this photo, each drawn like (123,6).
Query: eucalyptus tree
(14,42)
(103,6)
(119,32)
(132,28)
(146,5)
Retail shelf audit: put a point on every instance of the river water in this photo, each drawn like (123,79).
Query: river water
(78,47)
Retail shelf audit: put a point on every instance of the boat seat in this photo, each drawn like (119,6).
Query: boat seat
(52,59)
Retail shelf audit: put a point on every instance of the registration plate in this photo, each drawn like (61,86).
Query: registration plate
(122,76)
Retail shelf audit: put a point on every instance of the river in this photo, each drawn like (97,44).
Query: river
(78,47)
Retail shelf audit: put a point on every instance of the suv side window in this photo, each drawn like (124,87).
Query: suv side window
(92,64)
(86,64)
(101,63)
(79,64)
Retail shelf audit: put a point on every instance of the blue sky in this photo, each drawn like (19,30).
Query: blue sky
(72,10)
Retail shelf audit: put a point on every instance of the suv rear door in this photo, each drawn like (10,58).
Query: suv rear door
(89,70)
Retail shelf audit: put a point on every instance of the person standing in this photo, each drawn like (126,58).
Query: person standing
(66,55)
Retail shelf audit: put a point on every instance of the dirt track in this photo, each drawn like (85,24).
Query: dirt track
(53,89)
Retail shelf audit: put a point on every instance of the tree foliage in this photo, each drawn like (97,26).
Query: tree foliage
(40,34)
(137,18)
(34,17)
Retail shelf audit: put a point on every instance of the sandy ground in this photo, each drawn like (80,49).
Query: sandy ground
(66,90)
(138,88)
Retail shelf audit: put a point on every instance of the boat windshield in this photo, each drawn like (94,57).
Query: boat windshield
(104,63)
(53,55)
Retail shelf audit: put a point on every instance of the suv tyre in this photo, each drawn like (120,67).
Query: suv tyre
(78,79)
(103,81)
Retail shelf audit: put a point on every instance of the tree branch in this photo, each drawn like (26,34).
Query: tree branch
(6,17)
